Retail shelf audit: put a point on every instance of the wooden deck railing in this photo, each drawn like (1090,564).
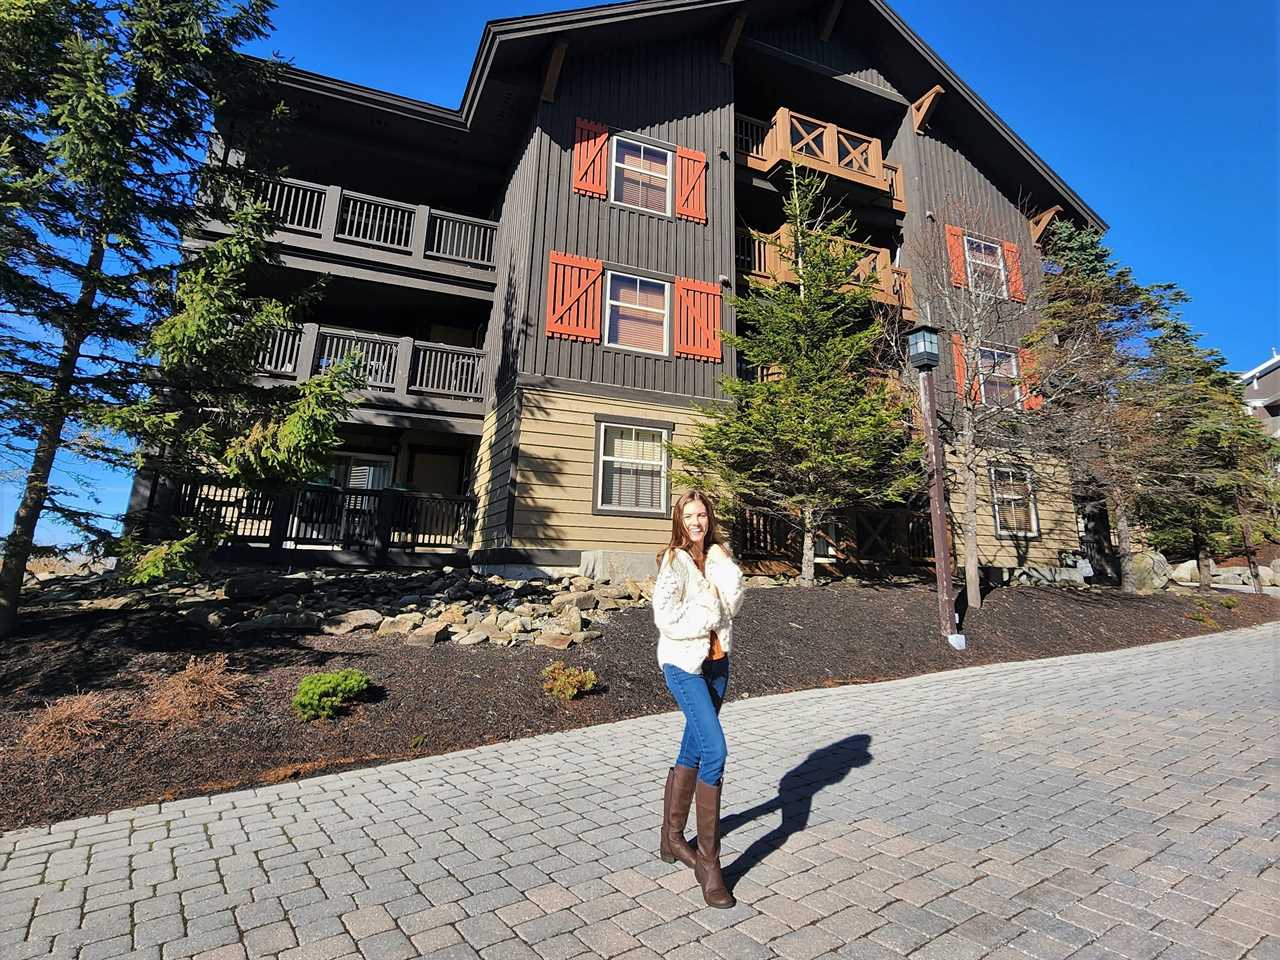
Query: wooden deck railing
(758,255)
(865,535)
(352,219)
(329,517)
(819,144)
(393,365)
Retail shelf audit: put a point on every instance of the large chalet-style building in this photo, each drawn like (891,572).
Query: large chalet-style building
(538,279)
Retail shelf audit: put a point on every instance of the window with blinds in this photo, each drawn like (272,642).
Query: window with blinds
(641,176)
(984,261)
(633,468)
(1015,503)
(999,377)
(636,313)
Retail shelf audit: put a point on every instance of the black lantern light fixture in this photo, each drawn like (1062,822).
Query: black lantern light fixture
(922,346)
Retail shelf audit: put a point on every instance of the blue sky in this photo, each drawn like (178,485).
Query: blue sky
(1163,116)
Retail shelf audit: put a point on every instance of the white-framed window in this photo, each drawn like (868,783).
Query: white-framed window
(984,263)
(636,312)
(1013,493)
(998,375)
(631,475)
(640,176)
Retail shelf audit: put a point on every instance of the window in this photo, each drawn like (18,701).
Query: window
(641,176)
(984,261)
(998,374)
(1015,502)
(632,469)
(636,313)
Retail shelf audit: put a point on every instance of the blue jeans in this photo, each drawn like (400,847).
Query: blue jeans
(699,697)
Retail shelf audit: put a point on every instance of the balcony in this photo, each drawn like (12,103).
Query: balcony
(757,255)
(762,145)
(334,223)
(400,371)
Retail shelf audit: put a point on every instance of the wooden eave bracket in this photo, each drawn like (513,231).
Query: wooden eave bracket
(829,22)
(1041,220)
(732,34)
(921,109)
(551,79)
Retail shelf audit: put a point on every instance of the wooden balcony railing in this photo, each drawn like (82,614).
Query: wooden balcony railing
(328,517)
(400,366)
(819,144)
(351,220)
(758,255)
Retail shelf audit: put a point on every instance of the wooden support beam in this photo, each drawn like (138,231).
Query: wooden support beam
(921,108)
(1041,220)
(731,36)
(829,22)
(551,79)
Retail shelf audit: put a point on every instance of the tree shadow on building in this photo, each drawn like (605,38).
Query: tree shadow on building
(822,768)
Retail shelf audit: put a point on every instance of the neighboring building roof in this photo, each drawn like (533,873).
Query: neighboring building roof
(509,45)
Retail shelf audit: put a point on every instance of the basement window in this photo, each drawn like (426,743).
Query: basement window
(631,469)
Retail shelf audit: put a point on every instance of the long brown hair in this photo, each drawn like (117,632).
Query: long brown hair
(680,537)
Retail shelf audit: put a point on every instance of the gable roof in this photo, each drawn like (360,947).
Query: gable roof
(509,48)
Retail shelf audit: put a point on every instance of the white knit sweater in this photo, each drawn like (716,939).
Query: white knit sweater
(686,610)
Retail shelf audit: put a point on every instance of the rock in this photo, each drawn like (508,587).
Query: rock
(404,623)
(1150,571)
(302,620)
(458,592)
(528,609)
(344,623)
(634,591)
(500,638)
(454,613)
(554,639)
(1232,576)
(583,601)
(1275,568)
(472,638)
(607,604)
(525,636)
(1186,572)
(569,620)
(506,618)
(255,586)
(427,635)
(760,582)
(586,636)
(209,617)
(613,593)
(582,583)
(1267,577)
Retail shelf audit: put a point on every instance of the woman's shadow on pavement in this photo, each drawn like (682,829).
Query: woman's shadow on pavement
(825,766)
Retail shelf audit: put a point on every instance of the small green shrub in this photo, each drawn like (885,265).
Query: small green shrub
(1229,603)
(564,683)
(322,695)
(144,564)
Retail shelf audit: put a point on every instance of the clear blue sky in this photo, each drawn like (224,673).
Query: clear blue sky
(1163,116)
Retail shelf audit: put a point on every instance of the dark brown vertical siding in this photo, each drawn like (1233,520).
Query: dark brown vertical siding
(678,93)
(802,36)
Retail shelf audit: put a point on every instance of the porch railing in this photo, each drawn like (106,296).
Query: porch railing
(400,366)
(349,219)
(819,144)
(326,517)
(864,535)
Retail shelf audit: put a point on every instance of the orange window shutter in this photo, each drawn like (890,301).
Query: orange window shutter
(1013,271)
(575,286)
(591,158)
(955,253)
(1032,398)
(961,369)
(697,319)
(691,185)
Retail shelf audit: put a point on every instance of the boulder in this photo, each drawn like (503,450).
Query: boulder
(1185,572)
(569,619)
(210,616)
(427,635)
(613,593)
(582,583)
(528,609)
(634,590)
(1267,577)
(454,613)
(344,623)
(506,618)
(1150,571)
(586,636)
(1232,576)
(583,601)
(299,620)
(609,604)
(554,639)
(472,638)
(404,623)
(1275,568)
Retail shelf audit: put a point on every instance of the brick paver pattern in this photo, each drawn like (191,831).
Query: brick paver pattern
(1120,805)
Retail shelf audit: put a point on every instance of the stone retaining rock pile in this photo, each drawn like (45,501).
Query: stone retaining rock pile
(421,607)
(1268,576)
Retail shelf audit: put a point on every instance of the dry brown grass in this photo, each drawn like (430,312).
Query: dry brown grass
(186,697)
(69,723)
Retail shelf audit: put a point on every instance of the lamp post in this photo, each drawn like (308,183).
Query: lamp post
(922,354)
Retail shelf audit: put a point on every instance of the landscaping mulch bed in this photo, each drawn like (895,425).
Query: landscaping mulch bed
(449,697)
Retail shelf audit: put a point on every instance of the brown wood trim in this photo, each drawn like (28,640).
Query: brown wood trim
(551,79)
(921,109)
(588,388)
(1040,222)
(731,36)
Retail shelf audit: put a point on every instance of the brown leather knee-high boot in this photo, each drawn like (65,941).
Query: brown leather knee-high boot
(676,800)
(706,868)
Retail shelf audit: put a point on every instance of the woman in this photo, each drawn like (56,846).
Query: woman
(697,594)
